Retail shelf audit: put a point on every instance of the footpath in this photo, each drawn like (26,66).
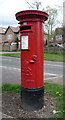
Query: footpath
(57,80)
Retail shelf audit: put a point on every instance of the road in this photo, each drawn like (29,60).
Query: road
(10,67)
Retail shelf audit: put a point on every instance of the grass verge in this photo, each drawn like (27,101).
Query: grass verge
(47,56)
(12,54)
(55,90)
(59,94)
(9,51)
(54,56)
(14,88)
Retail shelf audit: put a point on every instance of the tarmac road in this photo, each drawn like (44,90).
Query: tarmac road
(10,69)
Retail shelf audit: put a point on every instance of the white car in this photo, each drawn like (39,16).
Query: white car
(58,45)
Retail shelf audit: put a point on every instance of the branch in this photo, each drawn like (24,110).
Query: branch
(29,4)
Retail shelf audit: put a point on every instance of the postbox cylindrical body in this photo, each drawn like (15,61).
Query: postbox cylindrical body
(32,57)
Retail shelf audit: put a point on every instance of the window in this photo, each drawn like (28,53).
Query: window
(9,36)
(6,43)
(58,37)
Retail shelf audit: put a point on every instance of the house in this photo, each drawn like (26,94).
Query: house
(2,35)
(58,37)
(9,38)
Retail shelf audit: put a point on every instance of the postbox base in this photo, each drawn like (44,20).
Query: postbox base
(32,99)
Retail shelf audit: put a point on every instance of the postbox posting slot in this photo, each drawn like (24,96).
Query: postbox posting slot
(25,27)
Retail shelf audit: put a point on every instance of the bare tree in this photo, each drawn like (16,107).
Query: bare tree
(51,22)
(35,4)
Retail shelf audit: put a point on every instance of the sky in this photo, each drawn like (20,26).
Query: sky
(8,9)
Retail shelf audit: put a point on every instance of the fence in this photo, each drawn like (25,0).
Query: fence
(54,50)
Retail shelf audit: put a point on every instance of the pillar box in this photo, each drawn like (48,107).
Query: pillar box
(32,60)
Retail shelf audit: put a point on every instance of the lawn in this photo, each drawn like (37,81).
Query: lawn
(12,54)
(55,91)
(54,56)
(9,51)
(47,56)
(14,88)
(58,92)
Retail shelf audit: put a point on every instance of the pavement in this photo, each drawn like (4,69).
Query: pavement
(57,80)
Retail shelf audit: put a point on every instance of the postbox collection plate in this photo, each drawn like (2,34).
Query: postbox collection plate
(24,44)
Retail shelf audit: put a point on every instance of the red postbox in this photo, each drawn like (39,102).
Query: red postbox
(32,61)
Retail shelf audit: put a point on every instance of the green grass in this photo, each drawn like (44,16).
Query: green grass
(54,56)
(14,88)
(55,91)
(12,54)
(4,51)
(59,94)
(47,56)
(9,51)
(0,87)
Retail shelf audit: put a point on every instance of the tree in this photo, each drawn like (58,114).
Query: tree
(51,22)
(52,19)
(17,43)
(35,4)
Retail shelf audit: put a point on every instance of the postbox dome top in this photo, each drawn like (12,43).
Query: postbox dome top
(31,14)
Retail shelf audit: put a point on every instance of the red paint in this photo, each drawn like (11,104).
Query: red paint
(32,65)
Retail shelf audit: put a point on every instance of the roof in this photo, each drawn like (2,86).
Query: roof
(3,30)
(14,29)
(59,31)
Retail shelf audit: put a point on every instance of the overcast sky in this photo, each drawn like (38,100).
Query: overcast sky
(8,9)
